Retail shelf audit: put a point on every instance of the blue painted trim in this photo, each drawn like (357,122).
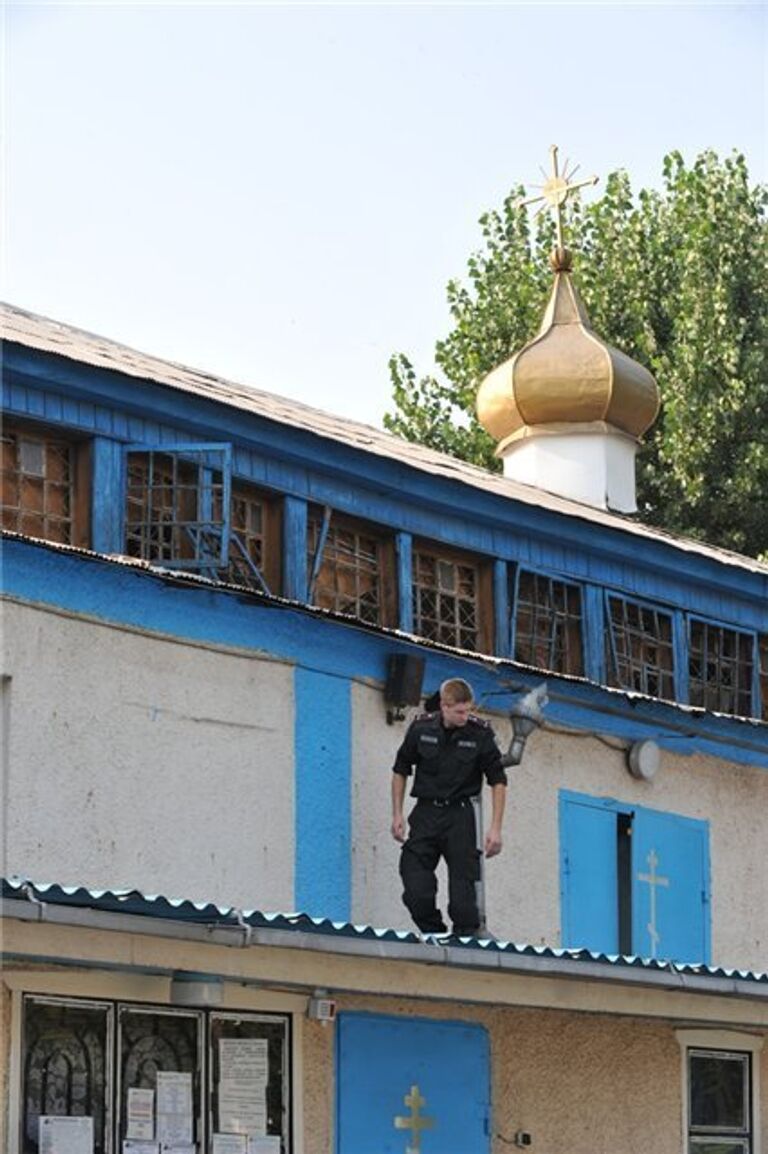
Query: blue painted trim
(107,496)
(295,549)
(404,558)
(140,599)
(323,761)
(363,484)
(501,610)
(680,654)
(593,633)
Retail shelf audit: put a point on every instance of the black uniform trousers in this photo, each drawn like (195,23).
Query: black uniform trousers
(437,831)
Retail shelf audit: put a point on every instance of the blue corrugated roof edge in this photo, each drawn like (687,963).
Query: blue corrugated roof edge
(135,903)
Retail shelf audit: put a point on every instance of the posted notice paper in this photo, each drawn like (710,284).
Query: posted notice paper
(174,1108)
(229,1144)
(65,1135)
(242,1089)
(141,1114)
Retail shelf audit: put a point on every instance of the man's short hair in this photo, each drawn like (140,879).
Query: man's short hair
(455,690)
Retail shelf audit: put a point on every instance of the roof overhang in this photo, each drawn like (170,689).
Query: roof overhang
(87,930)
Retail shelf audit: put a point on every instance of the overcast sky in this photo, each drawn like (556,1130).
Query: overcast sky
(279,193)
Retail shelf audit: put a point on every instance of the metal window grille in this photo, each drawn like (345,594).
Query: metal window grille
(80,1058)
(639,648)
(348,573)
(720,668)
(719,1102)
(548,624)
(247,541)
(37,495)
(177,505)
(66,1067)
(445,600)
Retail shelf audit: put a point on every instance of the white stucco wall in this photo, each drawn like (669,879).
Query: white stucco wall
(523,883)
(137,761)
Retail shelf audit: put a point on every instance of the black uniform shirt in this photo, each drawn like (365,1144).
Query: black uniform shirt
(449,763)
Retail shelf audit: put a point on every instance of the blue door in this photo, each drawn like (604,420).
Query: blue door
(411,1085)
(670,887)
(589,877)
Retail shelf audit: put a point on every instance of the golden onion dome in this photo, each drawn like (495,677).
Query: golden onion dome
(566,376)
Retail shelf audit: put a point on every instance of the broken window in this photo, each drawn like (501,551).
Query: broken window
(547,623)
(720,668)
(639,647)
(346,566)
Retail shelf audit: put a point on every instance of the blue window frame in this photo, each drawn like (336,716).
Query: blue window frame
(177,504)
(547,622)
(639,647)
(633,880)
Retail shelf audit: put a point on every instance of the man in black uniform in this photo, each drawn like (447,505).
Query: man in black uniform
(451,751)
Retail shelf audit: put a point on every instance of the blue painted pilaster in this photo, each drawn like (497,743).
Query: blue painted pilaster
(593,631)
(323,750)
(107,496)
(295,548)
(404,552)
(502,632)
(680,657)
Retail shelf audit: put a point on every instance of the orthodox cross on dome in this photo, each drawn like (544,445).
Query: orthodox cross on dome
(653,880)
(415,1121)
(556,190)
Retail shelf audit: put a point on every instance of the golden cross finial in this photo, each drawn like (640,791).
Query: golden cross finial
(415,1122)
(556,190)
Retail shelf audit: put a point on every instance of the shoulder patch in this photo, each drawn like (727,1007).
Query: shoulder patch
(425,717)
(479,721)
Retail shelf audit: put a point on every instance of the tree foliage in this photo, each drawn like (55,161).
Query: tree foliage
(678,279)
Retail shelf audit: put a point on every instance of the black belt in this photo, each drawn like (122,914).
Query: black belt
(443,803)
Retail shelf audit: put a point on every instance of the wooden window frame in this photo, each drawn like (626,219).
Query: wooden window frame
(80,479)
(271,535)
(638,665)
(385,545)
(749,637)
(553,617)
(484,601)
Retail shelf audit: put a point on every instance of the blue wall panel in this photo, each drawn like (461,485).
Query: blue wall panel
(323,752)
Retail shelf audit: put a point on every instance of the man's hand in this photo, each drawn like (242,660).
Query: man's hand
(492,842)
(398,828)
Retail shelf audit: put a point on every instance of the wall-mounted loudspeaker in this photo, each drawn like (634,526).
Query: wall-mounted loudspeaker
(405,674)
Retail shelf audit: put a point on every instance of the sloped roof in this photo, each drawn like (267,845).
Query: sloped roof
(45,335)
(302,931)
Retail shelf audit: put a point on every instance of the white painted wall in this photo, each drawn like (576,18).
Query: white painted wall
(138,761)
(135,760)
(523,883)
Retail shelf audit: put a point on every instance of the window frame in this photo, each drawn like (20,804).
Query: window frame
(285,1010)
(548,575)
(483,566)
(385,542)
(610,642)
(724,1042)
(755,689)
(190,453)
(81,469)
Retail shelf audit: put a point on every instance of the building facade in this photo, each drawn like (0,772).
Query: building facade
(204,589)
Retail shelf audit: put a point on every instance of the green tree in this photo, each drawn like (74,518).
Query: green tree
(678,279)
